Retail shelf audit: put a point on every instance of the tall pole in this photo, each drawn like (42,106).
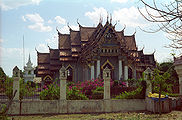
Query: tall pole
(23,53)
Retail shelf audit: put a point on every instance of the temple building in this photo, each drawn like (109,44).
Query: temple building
(85,53)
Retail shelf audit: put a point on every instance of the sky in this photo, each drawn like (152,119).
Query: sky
(36,21)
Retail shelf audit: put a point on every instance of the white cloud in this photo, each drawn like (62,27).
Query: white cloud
(43,48)
(50,21)
(36,2)
(130,17)
(24,19)
(12,4)
(38,22)
(40,27)
(1,40)
(60,20)
(119,1)
(95,15)
(53,42)
(33,18)
(65,29)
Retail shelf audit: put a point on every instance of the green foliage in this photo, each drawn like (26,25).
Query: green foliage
(75,94)
(2,78)
(98,93)
(3,116)
(50,93)
(168,67)
(25,89)
(170,94)
(131,95)
(8,85)
(159,80)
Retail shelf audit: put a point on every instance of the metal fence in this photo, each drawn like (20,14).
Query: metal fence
(30,90)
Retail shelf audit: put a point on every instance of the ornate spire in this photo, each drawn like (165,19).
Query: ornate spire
(29,63)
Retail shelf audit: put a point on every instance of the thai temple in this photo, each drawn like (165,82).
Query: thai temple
(86,52)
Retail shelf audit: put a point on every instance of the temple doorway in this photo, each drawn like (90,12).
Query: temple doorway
(110,66)
(69,70)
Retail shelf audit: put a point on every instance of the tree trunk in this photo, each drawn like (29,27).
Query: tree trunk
(160,99)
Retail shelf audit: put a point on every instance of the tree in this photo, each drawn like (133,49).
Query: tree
(160,84)
(169,18)
(168,67)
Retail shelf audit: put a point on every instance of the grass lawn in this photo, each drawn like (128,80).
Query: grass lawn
(174,115)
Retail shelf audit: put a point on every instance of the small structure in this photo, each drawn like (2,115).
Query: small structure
(178,68)
(28,71)
(15,71)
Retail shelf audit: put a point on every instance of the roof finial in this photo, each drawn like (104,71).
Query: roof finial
(58,30)
(134,32)
(116,23)
(36,50)
(29,58)
(110,18)
(124,27)
(48,46)
(143,47)
(101,19)
(69,26)
(107,17)
(154,51)
(78,23)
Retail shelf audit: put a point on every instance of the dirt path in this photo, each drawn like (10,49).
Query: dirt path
(174,115)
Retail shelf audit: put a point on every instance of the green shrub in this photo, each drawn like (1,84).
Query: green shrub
(75,94)
(98,93)
(50,93)
(9,87)
(25,89)
(170,94)
(131,95)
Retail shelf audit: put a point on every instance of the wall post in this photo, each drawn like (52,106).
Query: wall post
(107,77)
(147,76)
(62,101)
(16,84)
(62,77)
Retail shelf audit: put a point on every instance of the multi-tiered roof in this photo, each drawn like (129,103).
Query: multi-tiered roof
(82,45)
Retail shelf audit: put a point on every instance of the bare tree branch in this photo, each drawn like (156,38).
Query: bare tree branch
(169,20)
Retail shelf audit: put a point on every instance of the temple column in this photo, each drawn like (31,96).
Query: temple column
(134,73)
(92,70)
(120,69)
(98,68)
(126,72)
